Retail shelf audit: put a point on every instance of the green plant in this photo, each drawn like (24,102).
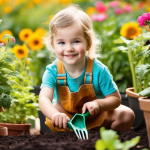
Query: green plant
(7,70)
(138,53)
(18,102)
(109,140)
(24,104)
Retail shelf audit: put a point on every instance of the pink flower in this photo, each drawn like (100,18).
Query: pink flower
(99,17)
(144,19)
(114,4)
(101,7)
(14,40)
(1,44)
(127,8)
(118,11)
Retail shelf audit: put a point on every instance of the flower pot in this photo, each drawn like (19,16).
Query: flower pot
(16,129)
(124,99)
(3,131)
(134,105)
(1,108)
(145,106)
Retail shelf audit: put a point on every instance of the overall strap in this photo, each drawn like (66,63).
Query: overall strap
(61,76)
(89,71)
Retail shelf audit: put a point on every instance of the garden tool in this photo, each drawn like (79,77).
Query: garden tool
(77,123)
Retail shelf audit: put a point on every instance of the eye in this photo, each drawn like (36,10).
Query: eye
(76,41)
(61,43)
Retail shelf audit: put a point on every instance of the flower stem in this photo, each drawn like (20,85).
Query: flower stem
(132,70)
(6,45)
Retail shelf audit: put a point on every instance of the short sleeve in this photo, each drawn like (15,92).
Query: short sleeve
(106,83)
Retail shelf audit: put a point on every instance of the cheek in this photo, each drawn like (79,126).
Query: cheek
(81,49)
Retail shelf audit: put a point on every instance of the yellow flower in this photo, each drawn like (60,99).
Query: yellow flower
(24,34)
(65,1)
(130,30)
(7,9)
(35,42)
(37,1)
(90,11)
(40,31)
(20,51)
(3,33)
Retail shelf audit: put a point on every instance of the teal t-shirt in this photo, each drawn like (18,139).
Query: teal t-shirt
(102,80)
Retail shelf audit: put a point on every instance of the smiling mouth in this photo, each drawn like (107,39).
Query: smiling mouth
(70,55)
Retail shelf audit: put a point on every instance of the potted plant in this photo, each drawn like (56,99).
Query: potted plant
(145,106)
(138,53)
(18,102)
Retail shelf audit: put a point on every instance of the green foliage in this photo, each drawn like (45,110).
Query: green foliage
(109,140)
(139,58)
(24,104)
(7,70)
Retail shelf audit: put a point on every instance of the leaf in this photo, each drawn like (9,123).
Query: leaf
(131,143)
(9,60)
(7,36)
(12,55)
(4,64)
(5,100)
(125,40)
(143,52)
(1,21)
(141,70)
(122,48)
(117,144)
(145,92)
(5,88)
(10,73)
(99,145)
(118,41)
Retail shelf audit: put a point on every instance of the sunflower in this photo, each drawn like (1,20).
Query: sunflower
(130,30)
(24,34)
(20,51)
(40,31)
(35,42)
(2,34)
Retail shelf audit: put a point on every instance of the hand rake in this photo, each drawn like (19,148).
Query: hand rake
(77,123)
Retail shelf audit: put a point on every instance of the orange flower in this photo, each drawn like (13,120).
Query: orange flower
(35,42)
(130,30)
(24,34)
(40,31)
(20,51)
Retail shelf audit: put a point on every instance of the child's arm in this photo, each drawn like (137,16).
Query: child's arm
(110,102)
(45,104)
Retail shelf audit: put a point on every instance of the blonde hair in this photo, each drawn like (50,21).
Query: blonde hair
(69,16)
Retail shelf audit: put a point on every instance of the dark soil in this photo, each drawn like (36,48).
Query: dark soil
(68,140)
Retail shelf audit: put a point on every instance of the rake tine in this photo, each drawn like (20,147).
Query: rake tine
(83,134)
(86,133)
(76,134)
(79,134)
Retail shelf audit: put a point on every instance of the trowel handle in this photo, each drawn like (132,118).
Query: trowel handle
(86,114)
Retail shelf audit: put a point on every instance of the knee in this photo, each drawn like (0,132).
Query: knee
(127,117)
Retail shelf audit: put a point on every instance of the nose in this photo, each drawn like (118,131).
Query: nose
(69,48)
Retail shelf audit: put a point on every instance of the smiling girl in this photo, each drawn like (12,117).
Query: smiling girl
(76,80)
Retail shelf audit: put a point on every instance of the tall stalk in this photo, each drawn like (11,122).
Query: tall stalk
(132,70)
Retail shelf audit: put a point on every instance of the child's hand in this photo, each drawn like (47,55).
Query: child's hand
(60,120)
(93,107)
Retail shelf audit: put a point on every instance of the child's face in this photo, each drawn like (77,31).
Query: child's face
(70,44)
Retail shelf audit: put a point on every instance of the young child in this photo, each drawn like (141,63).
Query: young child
(76,80)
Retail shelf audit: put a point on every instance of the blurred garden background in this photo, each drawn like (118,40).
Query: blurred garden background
(28,21)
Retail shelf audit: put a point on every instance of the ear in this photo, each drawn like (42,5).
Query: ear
(89,44)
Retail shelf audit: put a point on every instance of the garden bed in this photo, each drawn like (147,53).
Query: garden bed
(67,140)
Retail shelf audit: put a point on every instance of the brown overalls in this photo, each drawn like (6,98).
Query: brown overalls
(73,102)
